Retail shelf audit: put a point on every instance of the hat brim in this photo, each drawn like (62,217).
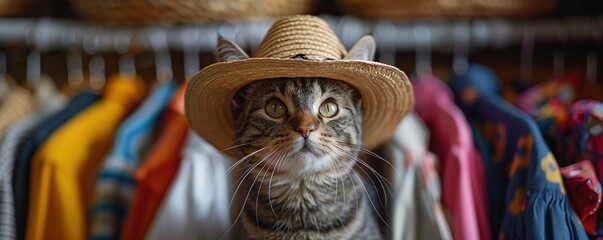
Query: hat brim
(385,91)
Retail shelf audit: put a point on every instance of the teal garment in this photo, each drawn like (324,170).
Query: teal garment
(115,184)
(494,198)
(535,204)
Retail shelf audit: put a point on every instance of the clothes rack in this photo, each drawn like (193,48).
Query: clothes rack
(47,33)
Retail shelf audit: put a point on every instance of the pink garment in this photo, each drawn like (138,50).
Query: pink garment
(464,196)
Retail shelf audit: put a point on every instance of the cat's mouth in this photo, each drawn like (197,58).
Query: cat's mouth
(309,147)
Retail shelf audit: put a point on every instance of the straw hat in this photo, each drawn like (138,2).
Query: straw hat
(298,46)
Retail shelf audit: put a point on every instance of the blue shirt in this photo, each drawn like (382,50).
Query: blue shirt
(27,149)
(535,204)
(115,183)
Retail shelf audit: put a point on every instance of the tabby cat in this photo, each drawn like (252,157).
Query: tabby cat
(300,138)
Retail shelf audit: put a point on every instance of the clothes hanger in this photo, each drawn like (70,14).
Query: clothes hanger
(190,45)
(526,62)
(559,54)
(71,36)
(526,59)
(122,45)
(591,88)
(462,44)
(592,62)
(39,83)
(422,37)
(96,65)
(385,34)
(163,62)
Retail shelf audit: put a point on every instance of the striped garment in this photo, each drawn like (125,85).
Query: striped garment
(115,183)
(14,136)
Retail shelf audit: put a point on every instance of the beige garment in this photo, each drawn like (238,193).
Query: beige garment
(4,87)
(17,104)
(416,212)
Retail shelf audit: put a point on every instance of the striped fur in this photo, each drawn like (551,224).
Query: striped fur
(298,188)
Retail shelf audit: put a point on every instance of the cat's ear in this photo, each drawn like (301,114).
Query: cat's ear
(229,51)
(364,49)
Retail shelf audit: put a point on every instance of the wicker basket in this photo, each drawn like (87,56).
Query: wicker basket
(138,12)
(14,8)
(405,9)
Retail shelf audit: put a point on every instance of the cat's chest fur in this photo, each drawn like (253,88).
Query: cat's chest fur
(309,208)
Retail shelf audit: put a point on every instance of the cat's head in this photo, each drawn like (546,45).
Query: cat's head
(298,126)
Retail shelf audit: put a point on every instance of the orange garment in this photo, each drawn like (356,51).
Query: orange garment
(157,171)
(65,166)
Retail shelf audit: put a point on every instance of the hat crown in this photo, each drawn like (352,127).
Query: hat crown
(306,37)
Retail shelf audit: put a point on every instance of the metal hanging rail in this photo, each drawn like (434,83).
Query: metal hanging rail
(440,35)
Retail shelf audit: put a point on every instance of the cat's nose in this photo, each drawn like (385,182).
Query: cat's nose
(304,123)
(306,130)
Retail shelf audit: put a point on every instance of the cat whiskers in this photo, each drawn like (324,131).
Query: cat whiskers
(240,182)
(373,154)
(241,179)
(383,182)
(260,188)
(278,163)
(238,162)
(390,166)
(237,146)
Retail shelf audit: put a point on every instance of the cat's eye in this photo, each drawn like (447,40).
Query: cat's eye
(275,108)
(328,108)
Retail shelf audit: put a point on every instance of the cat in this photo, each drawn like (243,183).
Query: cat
(303,138)
(300,138)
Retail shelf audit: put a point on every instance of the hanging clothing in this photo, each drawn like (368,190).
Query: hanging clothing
(416,212)
(493,186)
(461,166)
(586,121)
(586,131)
(197,203)
(115,182)
(15,135)
(17,104)
(26,151)
(536,205)
(548,104)
(584,189)
(157,171)
(64,168)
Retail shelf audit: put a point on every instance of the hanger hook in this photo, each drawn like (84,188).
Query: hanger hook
(70,36)
(96,66)
(462,43)
(592,62)
(559,54)
(385,35)
(422,37)
(34,58)
(190,43)
(163,61)
(122,45)
(526,60)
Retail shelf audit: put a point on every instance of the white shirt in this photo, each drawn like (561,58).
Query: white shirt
(196,205)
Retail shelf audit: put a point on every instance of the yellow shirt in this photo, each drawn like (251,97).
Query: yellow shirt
(64,168)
